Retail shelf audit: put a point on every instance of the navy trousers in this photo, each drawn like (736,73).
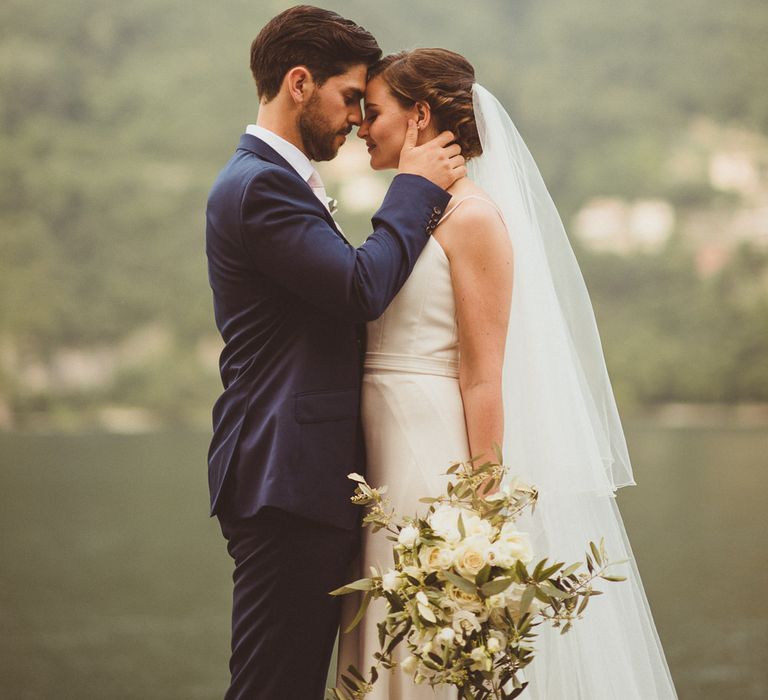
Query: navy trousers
(284,623)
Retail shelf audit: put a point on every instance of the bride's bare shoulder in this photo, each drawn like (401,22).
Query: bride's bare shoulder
(474,221)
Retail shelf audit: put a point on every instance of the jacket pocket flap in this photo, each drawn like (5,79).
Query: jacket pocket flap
(319,406)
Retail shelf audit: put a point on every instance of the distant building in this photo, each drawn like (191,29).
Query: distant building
(618,226)
(735,171)
(708,159)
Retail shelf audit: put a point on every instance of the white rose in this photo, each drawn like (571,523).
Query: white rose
(391,580)
(498,637)
(408,536)
(500,554)
(475,525)
(497,601)
(446,635)
(465,621)
(462,599)
(410,664)
(444,522)
(482,662)
(471,555)
(518,543)
(493,645)
(436,558)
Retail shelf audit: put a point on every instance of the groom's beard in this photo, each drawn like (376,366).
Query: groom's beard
(317,133)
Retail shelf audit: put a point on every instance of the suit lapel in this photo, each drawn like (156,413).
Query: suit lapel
(255,145)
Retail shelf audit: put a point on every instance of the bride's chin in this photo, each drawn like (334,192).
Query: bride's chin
(375,165)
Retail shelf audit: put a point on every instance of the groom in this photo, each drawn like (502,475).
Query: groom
(291,297)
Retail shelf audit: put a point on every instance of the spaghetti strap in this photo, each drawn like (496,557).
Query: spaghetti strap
(464,199)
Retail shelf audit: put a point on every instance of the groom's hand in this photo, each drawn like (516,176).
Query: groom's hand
(438,160)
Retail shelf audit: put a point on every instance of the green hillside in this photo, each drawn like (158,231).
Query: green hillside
(115,118)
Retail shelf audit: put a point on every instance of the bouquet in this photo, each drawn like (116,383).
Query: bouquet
(462,595)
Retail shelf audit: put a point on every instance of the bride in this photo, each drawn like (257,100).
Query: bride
(492,339)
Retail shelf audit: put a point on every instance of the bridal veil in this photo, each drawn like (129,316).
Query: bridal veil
(562,433)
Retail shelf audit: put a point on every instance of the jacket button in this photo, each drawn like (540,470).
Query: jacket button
(437,210)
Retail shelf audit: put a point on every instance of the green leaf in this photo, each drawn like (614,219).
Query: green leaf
(362,584)
(460,582)
(549,571)
(356,477)
(462,530)
(596,553)
(352,684)
(521,571)
(552,591)
(483,575)
(496,586)
(382,626)
(572,569)
(360,612)
(354,672)
(613,578)
(527,599)
(583,606)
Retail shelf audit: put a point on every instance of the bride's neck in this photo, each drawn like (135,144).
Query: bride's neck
(462,186)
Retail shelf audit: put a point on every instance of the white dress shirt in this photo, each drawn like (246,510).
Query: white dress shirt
(296,159)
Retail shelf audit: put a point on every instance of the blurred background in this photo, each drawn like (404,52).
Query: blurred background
(649,121)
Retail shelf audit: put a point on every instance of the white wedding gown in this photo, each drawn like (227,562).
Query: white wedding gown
(414,426)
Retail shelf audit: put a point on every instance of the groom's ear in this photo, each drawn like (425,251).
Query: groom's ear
(299,83)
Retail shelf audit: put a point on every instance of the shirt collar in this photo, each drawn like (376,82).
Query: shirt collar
(296,159)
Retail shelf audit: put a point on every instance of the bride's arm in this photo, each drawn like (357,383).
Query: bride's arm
(481,256)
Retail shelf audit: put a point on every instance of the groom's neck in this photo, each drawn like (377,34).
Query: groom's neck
(280,121)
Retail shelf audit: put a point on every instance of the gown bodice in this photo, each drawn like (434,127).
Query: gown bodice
(418,332)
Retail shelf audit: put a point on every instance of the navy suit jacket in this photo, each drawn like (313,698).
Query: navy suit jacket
(291,297)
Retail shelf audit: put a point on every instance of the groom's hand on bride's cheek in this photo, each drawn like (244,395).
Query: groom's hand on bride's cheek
(439,160)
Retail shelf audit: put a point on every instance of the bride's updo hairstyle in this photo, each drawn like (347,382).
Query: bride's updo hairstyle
(443,79)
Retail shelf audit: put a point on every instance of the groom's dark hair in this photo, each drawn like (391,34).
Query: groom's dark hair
(326,43)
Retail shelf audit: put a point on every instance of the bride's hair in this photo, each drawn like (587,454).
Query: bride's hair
(441,78)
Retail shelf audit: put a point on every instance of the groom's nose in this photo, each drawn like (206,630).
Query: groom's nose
(355,117)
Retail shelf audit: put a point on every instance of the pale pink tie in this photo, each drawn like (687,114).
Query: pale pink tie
(318,188)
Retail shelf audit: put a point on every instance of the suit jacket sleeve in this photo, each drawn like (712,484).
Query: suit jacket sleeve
(287,238)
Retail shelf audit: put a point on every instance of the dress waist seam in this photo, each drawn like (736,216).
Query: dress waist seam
(412,364)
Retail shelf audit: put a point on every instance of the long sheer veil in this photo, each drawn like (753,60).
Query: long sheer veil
(562,432)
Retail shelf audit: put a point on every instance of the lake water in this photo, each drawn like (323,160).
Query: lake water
(114,585)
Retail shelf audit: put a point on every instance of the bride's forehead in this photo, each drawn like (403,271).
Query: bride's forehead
(376,90)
